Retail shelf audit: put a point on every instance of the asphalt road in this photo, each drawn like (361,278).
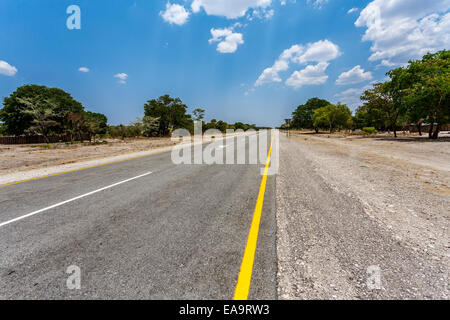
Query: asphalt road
(173,232)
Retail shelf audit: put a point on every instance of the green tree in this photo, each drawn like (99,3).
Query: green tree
(429,92)
(18,121)
(86,123)
(397,90)
(94,124)
(417,112)
(171,113)
(303,116)
(100,119)
(2,129)
(199,114)
(369,116)
(380,106)
(211,125)
(150,126)
(222,126)
(121,131)
(243,126)
(42,113)
(114,132)
(332,117)
(74,125)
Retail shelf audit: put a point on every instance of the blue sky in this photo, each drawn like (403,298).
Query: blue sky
(242,60)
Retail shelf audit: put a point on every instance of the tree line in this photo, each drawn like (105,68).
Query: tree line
(39,110)
(165,114)
(418,93)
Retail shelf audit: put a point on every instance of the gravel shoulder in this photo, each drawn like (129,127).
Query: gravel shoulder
(348,205)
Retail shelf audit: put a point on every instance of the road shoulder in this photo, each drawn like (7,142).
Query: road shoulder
(328,241)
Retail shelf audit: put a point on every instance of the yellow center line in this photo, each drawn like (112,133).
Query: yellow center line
(245,275)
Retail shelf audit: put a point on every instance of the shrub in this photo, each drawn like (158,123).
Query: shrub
(97,143)
(370,130)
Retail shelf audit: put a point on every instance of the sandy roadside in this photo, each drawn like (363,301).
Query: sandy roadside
(24,162)
(27,162)
(345,203)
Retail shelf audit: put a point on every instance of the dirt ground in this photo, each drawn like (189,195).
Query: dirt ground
(402,186)
(18,158)
(404,183)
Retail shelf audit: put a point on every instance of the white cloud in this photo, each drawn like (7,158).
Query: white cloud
(355,75)
(272,74)
(351,97)
(282,64)
(311,75)
(317,3)
(284,2)
(7,69)
(84,69)
(401,30)
(231,9)
(122,77)
(175,14)
(387,63)
(227,38)
(352,10)
(264,13)
(268,14)
(320,51)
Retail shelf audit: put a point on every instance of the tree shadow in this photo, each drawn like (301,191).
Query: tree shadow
(423,139)
(400,138)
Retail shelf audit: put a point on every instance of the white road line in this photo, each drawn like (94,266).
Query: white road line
(226,145)
(70,200)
